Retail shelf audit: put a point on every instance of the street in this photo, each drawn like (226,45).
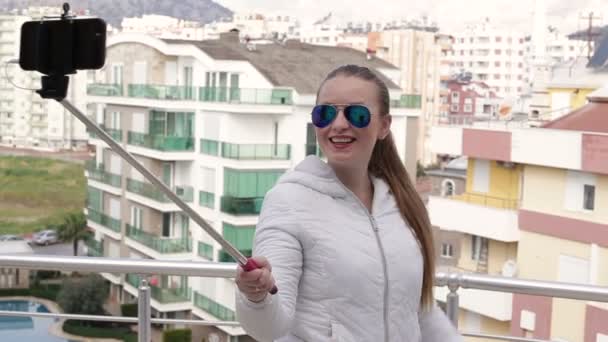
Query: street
(58,249)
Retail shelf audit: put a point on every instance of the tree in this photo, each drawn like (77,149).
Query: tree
(73,229)
(83,295)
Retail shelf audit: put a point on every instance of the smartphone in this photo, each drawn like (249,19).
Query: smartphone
(63,46)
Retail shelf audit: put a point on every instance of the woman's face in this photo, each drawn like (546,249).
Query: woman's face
(345,145)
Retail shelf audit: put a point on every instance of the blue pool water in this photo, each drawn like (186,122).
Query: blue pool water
(26,329)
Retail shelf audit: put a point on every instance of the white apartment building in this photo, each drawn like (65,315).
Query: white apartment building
(255,26)
(163,26)
(218,123)
(492,55)
(25,118)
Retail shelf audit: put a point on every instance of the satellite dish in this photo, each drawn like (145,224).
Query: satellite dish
(509,269)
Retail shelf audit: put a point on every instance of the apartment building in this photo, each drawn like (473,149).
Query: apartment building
(492,55)
(25,118)
(219,122)
(534,205)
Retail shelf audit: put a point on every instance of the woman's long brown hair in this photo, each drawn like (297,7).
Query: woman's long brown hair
(386,164)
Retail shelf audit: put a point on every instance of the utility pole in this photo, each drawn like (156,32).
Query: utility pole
(590,36)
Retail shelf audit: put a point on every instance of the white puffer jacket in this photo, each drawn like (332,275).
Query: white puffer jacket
(342,274)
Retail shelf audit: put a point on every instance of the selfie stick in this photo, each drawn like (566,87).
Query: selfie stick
(55,87)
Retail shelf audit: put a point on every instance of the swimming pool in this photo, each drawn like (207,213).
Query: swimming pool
(25,329)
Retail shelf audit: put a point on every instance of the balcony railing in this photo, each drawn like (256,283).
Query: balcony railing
(256,151)
(241,206)
(205,250)
(97,173)
(101,89)
(162,245)
(116,134)
(185,193)
(246,96)
(407,101)
(161,294)
(161,92)
(216,270)
(488,201)
(104,220)
(214,308)
(191,93)
(94,247)
(210,147)
(161,142)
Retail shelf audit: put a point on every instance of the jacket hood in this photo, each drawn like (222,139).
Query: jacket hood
(317,175)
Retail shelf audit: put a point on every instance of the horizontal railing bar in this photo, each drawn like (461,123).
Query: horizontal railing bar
(116,265)
(118,319)
(228,270)
(503,337)
(522,286)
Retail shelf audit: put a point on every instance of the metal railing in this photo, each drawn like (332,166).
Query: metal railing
(148,267)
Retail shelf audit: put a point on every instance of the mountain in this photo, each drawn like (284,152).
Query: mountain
(112,11)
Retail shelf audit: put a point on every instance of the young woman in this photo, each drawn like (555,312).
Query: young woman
(348,241)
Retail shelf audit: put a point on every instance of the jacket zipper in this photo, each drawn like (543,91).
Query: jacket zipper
(376,230)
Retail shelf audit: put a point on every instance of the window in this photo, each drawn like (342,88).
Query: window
(588,197)
(455,96)
(481,176)
(497,64)
(498,39)
(447,250)
(136,217)
(497,76)
(207,193)
(249,183)
(454,107)
(447,188)
(498,51)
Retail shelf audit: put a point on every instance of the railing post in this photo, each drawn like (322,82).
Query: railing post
(144,312)
(452,299)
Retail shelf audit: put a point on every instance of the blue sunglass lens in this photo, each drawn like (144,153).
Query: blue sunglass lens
(323,115)
(358,116)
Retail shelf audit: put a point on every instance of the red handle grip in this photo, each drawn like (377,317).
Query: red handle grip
(252,265)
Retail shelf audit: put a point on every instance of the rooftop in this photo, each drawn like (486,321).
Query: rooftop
(281,63)
(592,117)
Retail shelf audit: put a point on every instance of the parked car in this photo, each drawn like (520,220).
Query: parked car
(45,237)
(10,238)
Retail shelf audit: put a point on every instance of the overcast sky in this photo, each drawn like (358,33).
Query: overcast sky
(450,14)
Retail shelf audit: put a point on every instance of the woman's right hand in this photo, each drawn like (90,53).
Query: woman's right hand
(255,284)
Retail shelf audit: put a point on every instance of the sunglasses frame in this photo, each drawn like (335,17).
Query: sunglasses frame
(343,108)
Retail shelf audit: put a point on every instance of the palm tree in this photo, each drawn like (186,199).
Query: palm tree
(73,229)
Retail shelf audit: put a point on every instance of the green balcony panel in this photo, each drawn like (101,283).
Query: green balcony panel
(206,199)
(162,245)
(161,142)
(214,308)
(185,193)
(241,206)
(97,173)
(256,151)
(161,92)
(205,250)
(210,147)
(104,220)
(100,89)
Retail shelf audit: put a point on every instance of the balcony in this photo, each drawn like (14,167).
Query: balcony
(205,250)
(225,257)
(256,151)
(241,206)
(101,89)
(98,174)
(161,142)
(408,101)
(456,215)
(210,147)
(104,220)
(214,308)
(116,134)
(185,193)
(488,201)
(206,199)
(161,245)
(246,96)
(94,247)
(160,294)
(161,92)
